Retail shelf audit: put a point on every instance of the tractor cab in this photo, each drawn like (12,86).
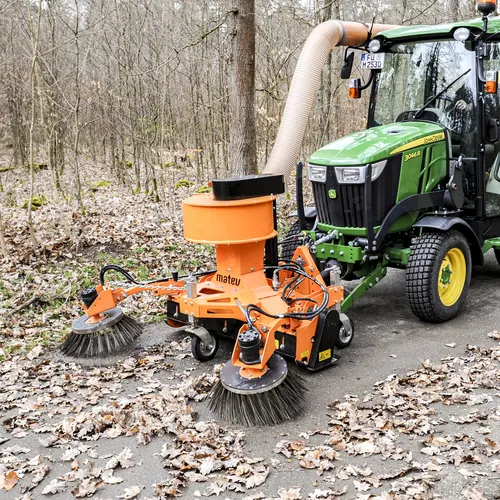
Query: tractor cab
(450,79)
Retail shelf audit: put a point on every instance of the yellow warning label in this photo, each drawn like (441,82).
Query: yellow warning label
(325,355)
(304,354)
(276,343)
(420,142)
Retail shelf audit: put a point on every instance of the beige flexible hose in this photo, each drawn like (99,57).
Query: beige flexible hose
(305,84)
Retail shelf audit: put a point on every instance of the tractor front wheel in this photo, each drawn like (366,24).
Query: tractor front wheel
(438,275)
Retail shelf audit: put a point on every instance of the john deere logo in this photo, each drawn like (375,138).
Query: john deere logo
(332,194)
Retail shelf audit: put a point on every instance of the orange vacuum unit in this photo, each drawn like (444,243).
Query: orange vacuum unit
(272,308)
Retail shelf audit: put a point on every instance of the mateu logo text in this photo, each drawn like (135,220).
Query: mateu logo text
(228,279)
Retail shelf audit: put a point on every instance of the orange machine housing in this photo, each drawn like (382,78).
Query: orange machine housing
(239,230)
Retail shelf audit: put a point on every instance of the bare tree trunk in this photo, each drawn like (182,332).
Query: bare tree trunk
(242,141)
(35,38)
(325,117)
(3,245)
(453,9)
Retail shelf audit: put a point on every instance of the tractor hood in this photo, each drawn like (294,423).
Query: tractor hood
(378,143)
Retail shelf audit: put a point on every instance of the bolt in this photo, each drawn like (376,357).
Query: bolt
(370,285)
(185,301)
(335,289)
(340,235)
(336,302)
(264,328)
(228,269)
(190,303)
(355,243)
(282,346)
(377,279)
(332,252)
(252,269)
(322,250)
(374,242)
(341,253)
(386,257)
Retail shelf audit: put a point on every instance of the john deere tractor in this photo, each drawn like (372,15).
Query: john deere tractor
(419,189)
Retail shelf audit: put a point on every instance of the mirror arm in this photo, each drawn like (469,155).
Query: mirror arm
(370,81)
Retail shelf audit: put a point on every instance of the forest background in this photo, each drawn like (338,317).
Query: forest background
(112,112)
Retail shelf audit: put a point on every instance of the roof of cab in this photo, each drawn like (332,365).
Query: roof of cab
(438,30)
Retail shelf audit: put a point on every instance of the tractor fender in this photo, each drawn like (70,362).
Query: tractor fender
(309,212)
(445,223)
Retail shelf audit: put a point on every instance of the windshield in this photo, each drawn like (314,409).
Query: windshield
(414,73)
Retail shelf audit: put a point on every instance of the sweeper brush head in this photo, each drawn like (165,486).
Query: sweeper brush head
(277,396)
(105,338)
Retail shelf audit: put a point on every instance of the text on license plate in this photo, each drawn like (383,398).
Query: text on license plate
(372,61)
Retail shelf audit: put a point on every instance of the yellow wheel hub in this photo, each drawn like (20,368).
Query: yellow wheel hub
(451,279)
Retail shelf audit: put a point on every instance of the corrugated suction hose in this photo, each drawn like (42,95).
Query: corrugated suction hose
(305,84)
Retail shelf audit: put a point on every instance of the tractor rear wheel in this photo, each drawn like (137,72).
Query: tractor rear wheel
(291,241)
(438,275)
(497,254)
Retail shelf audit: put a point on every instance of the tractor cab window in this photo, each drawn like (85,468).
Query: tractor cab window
(492,151)
(414,74)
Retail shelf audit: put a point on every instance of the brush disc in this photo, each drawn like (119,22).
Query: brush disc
(269,400)
(112,317)
(106,338)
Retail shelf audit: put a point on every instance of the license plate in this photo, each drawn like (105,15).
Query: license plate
(372,61)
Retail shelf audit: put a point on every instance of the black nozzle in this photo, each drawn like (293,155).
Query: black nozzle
(88,296)
(299,190)
(175,275)
(249,344)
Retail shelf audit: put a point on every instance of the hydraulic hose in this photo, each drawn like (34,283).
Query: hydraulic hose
(305,84)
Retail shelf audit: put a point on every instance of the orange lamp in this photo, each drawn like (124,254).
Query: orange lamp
(486,7)
(491,84)
(354,88)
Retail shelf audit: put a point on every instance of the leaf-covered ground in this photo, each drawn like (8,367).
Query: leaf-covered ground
(61,420)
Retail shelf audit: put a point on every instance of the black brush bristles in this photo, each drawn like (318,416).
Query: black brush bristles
(272,407)
(106,342)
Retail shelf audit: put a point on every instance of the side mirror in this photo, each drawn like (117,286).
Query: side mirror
(493,131)
(345,72)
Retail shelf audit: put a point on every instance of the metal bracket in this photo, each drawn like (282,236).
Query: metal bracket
(202,333)
(191,290)
(367,282)
(345,322)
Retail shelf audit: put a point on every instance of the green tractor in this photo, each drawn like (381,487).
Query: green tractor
(419,189)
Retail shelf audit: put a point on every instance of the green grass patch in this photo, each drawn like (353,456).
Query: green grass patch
(204,189)
(183,183)
(36,202)
(99,184)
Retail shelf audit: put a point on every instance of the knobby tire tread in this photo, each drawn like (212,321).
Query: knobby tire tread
(419,274)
